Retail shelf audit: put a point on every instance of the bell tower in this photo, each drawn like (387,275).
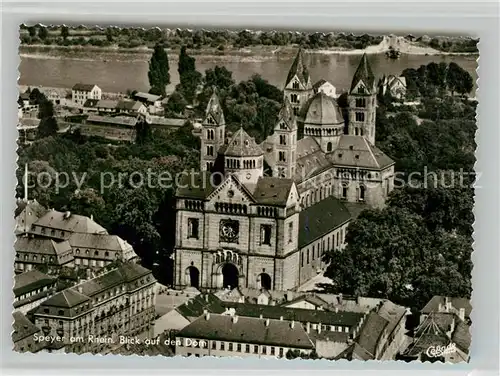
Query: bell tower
(298,86)
(285,142)
(213,132)
(362,99)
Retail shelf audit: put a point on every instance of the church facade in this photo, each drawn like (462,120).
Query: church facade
(263,215)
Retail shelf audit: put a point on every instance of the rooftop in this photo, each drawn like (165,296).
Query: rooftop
(356,151)
(31,281)
(113,120)
(272,191)
(323,110)
(147,97)
(41,246)
(22,327)
(321,218)
(248,330)
(83,87)
(242,145)
(67,221)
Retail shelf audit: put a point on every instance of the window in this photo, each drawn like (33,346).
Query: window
(313,253)
(247,348)
(290,232)
(295,85)
(272,350)
(222,345)
(210,151)
(214,345)
(329,146)
(256,349)
(265,234)
(282,156)
(282,139)
(362,192)
(302,260)
(361,89)
(238,347)
(281,352)
(193,224)
(360,116)
(360,102)
(344,191)
(230,346)
(295,111)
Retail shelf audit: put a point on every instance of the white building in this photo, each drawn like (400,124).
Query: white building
(81,92)
(325,87)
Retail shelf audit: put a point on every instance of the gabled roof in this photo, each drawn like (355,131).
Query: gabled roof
(83,87)
(107,103)
(214,109)
(41,246)
(318,84)
(356,151)
(457,303)
(364,73)
(310,159)
(323,110)
(31,208)
(298,69)
(147,97)
(67,221)
(98,241)
(198,187)
(369,336)
(248,330)
(23,327)
(272,191)
(128,105)
(242,145)
(30,281)
(321,218)
(66,299)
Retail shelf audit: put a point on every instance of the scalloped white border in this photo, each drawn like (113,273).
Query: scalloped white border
(476,19)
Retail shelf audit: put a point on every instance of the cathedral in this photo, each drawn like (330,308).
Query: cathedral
(262,215)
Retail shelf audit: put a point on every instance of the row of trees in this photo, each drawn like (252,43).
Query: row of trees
(253,104)
(434,79)
(420,244)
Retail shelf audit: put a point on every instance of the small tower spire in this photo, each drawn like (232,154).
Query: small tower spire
(365,74)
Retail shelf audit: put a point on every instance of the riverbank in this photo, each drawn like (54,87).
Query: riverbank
(405,47)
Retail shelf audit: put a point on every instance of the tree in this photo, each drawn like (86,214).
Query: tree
(190,79)
(109,34)
(186,62)
(219,77)
(47,127)
(158,75)
(143,132)
(176,103)
(65,32)
(43,33)
(32,31)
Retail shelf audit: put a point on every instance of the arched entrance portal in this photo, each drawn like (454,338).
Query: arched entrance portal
(194,277)
(230,276)
(265,281)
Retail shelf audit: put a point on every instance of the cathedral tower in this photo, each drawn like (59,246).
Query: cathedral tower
(362,102)
(298,87)
(213,133)
(285,142)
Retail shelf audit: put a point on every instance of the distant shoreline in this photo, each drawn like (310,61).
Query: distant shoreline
(243,52)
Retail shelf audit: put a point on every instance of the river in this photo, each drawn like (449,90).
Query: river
(118,71)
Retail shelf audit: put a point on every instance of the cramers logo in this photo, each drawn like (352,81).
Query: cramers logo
(437,351)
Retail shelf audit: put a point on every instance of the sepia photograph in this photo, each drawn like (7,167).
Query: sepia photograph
(245,193)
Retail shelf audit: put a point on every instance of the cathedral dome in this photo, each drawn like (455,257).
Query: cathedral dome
(323,110)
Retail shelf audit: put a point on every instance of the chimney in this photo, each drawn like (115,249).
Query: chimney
(267,322)
(448,304)
(292,324)
(207,315)
(80,289)
(235,319)
(336,309)
(91,217)
(281,318)
(461,314)
(340,298)
(319,327)
(440,307)
(67,215)
(260,316)
(308,327)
